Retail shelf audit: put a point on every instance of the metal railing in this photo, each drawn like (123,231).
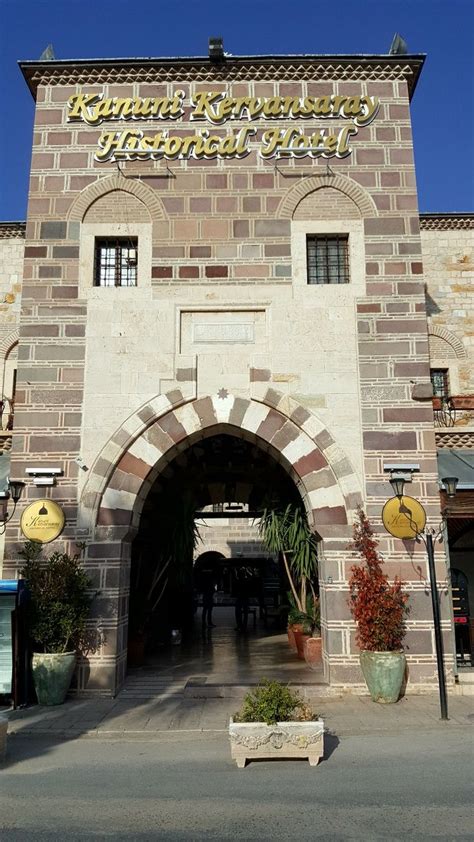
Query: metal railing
(444,412)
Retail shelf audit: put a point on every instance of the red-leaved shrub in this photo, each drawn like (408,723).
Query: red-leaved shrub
(378,606)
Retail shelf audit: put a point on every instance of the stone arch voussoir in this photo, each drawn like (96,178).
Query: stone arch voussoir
(450,338)
(346,185)
(105,185)
(126,468)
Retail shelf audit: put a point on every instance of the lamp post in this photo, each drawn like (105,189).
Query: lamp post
(429,536)
(15,490)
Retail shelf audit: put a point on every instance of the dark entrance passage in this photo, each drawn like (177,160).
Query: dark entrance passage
(207,602)
(461,553)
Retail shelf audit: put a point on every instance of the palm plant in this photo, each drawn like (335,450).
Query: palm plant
(287,532)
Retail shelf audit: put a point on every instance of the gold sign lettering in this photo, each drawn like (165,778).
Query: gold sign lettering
(217,108)
(42,521)
(94,109)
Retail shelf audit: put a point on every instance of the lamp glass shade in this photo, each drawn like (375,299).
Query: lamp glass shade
(16,487)
(450,484)
(398,484)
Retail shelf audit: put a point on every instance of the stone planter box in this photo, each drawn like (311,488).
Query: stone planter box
(258,741)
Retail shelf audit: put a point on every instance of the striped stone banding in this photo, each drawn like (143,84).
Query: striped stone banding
(105,185)
(324,475)
(346,185)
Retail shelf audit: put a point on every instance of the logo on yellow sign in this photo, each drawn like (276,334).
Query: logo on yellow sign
(42,521)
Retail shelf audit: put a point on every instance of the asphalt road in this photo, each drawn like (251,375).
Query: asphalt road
(185,787)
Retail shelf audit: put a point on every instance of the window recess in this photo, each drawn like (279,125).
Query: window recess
(327,258)
(116,261)
(440,382)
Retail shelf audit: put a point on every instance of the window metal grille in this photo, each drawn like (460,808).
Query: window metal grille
(439,380)
(116,262)
(328,259)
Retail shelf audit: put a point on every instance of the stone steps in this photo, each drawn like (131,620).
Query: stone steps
(465,683)
(200,687)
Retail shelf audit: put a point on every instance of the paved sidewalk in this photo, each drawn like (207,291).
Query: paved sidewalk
(173,712)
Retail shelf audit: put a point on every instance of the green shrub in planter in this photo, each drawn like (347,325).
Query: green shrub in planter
(272,702)
(275,722)
(58,609)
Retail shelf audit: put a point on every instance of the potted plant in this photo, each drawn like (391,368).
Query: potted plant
(380,610)
(58,608)
(287,532)
(312,649)
(275,722)
(293,622)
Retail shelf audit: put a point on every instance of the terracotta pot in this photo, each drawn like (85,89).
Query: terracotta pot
(313,653)
(291,636)
(300,638)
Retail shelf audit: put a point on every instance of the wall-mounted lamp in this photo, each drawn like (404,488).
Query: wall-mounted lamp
(15,490)
(44,476)
(450,484)
(397,481)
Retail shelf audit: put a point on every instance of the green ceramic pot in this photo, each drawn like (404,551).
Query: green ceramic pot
(52,675)
(383,673)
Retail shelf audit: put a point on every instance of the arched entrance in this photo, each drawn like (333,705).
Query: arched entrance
(142,450)
(187,599)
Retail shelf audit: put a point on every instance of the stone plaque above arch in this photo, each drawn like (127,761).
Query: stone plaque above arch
(350,188)
(113,183)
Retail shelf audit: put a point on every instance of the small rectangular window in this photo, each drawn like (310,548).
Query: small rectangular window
(116,262)
(440,383)
(328,258)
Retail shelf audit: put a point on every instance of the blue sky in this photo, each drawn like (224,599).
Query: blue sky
(442,109)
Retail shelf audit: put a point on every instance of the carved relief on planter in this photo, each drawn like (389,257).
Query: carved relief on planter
(256,740)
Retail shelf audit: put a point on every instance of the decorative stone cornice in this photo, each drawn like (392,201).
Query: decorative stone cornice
(455,437)
(233,69)
(11,230)
(446,221)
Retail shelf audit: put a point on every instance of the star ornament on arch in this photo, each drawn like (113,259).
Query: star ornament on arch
(223,394)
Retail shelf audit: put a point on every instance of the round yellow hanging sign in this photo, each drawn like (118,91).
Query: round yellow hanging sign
(42,521)
(403,517)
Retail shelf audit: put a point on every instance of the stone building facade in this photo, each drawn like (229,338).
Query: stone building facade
(222,331)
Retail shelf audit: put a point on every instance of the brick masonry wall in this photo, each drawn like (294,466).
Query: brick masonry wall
(11,274)
(448,255)
(119,207)
(222,241)
(332,205)
(232,537)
